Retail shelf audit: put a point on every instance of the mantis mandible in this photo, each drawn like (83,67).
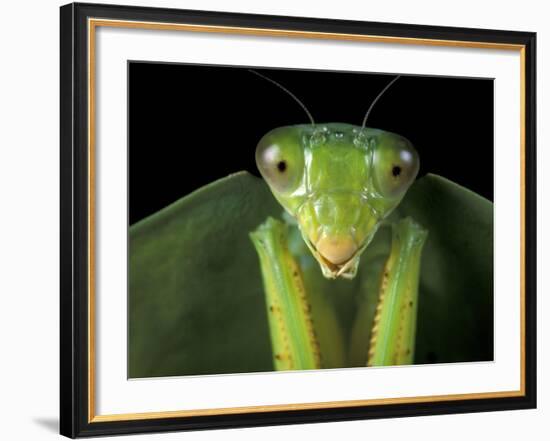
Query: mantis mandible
(337,183)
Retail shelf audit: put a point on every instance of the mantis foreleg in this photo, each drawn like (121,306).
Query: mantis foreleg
(394,327)
(293,338)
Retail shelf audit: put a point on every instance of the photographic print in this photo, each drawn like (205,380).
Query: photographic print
(275,220)
(286,219)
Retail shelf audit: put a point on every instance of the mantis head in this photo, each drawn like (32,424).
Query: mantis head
(339,182)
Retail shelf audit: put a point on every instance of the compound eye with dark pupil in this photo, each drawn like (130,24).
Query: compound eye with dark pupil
(395,168)
(280,165)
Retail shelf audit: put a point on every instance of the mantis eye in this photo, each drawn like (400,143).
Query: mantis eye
(395,166)
(280,161)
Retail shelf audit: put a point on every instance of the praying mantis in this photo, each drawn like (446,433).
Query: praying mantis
(197,303)
(338,184)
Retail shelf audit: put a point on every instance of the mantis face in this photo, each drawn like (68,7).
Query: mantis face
(339,182)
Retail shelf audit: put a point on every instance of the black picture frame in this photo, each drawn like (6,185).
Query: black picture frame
(76,415)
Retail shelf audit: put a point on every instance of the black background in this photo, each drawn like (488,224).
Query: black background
(190,125)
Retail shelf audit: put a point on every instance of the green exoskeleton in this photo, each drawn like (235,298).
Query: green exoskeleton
(338,183)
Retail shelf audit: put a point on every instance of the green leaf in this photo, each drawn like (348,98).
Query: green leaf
(196,301)
(455,317)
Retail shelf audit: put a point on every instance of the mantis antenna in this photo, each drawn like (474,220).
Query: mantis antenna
(302,105)
(376,99)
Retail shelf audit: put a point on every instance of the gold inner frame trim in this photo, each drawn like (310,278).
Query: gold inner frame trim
(92,25)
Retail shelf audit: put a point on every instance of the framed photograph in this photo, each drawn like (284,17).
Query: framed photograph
(271,220)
